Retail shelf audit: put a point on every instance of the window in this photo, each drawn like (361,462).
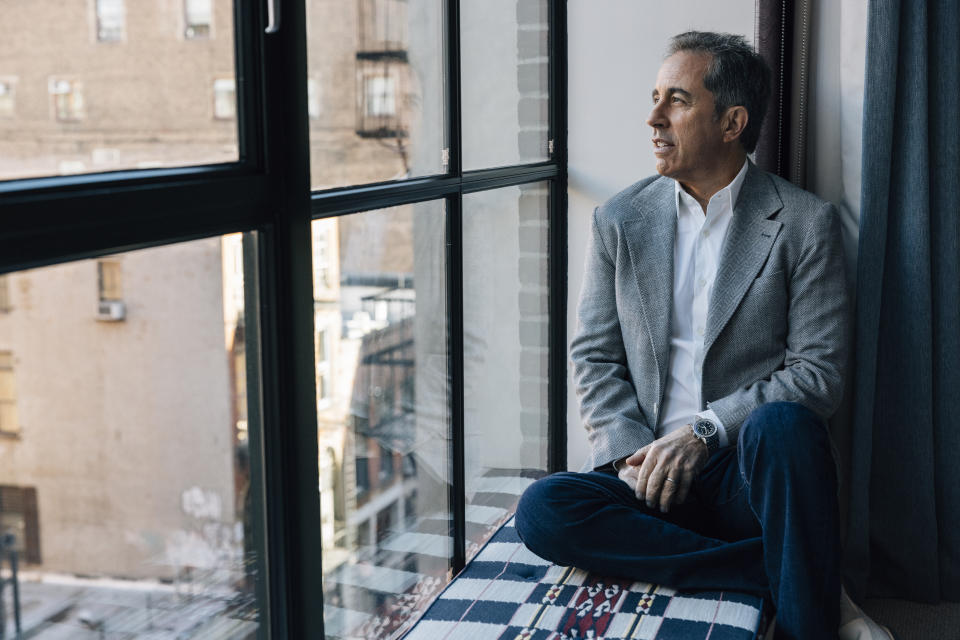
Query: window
(8,395)
(67,99)
(18,516)
(111,19)
(228,439)
(392,123)
(5,304)
(8,101)
(137,430)
(110,280)
(321,347)
(380,96)
(137,100)
(197,15)
(323,368)
(506,102)
(224,99)
(323,232)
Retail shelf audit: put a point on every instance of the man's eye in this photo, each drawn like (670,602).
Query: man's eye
(677,100)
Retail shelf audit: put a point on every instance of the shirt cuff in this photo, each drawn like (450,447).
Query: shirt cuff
(712,417)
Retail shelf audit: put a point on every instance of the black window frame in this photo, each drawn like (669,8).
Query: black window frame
(58,219)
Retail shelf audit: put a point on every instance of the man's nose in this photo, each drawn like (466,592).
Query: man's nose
(656,118)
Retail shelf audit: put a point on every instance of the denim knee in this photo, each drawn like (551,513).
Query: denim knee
(536,513)
(785,425)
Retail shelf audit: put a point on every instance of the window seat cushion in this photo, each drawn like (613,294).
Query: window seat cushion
(508,593)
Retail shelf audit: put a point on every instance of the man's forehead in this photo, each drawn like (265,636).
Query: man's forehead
(682,70)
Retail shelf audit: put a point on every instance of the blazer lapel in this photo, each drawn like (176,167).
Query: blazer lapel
(745,249)
(650,238)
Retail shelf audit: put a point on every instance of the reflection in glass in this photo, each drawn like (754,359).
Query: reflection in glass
(376,100)
(505,68)
(383,424)
(106,85)
(506,328)
(126,492)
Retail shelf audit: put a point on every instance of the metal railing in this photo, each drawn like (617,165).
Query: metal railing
(8,550)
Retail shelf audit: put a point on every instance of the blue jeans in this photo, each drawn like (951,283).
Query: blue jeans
(760,518)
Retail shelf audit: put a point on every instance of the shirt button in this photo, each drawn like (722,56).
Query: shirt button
(701,283)
(699,331)
(706,233)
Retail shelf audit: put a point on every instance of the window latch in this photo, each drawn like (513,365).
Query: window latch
(273,16)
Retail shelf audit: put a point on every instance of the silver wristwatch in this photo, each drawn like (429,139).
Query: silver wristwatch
(707,432)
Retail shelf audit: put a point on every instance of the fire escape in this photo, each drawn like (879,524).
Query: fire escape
(383,74)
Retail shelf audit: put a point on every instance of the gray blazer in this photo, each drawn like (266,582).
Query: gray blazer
(776,324)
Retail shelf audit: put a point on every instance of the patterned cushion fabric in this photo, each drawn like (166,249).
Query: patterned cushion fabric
(508,593)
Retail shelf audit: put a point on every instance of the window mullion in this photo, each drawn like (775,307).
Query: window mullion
(457,418)
(455,290)
(290,412)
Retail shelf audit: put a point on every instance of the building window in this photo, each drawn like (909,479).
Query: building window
(18,516)
(322,353)
(321,259)
(362,470)
(321,347)
(111,17)
(380,96)
(111,307)
(67,96)
(7,97)
(5,305)
(386,474)
(224,99)
(197,15)
(383,85)
(110,280)
(9,423)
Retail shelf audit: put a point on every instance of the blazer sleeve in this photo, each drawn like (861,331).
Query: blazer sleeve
(615,425)
(817,336)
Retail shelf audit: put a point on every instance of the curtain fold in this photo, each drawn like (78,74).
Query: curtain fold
(904,527)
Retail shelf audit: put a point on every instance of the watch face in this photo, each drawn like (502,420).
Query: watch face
(704,428)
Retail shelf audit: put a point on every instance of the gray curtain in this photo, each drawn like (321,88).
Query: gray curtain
(904,527)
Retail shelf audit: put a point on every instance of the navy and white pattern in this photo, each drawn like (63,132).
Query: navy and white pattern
(509,593)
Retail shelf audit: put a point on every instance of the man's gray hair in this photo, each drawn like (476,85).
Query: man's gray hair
(737,76)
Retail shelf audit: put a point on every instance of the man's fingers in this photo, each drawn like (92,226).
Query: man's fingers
(655,485)
(684,489)
(675,492)
(637,458)
(643,476)
(668,493)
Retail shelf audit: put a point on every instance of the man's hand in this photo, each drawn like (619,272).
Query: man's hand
(665,468)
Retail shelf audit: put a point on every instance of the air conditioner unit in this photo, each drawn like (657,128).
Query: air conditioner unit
(112,311)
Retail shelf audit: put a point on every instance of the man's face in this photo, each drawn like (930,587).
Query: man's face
(687,138)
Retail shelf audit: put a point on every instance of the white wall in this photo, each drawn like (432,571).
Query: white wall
(837,57)
(615,49)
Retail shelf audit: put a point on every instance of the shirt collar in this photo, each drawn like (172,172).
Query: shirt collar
(733,189)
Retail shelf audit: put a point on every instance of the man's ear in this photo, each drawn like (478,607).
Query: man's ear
(734,122)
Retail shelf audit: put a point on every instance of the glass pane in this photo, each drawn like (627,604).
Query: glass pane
(82,89)
(382,400)
(130,488)
(506,328)
(505,68)
(375,90)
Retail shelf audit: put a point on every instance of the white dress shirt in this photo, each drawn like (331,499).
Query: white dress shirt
(696,256)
